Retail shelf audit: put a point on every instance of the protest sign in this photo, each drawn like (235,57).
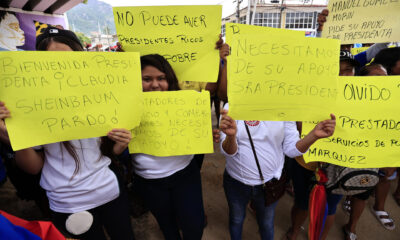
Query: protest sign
(174,123)
(276,74)
(363,21)
(184,35)
(367,125)
(60,96)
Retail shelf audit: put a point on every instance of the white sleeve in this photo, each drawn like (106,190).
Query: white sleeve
(290,140)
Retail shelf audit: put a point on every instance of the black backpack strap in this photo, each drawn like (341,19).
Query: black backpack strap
(254,151)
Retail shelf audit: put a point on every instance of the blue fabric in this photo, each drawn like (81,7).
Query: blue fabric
(3,174)
(9,231)
(332,201)
(176,202)
(361,58)
(238,196)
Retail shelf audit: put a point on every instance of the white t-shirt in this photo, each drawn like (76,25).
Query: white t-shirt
(94,184)
(272,141)
(152,167)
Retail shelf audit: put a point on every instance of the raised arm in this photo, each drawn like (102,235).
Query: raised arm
(229,128)
(322,130)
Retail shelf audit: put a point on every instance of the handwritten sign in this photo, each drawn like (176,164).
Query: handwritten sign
(60,96)
(184,35)
(367,125)
(174,123)
(276,74)
(363,21)
(356,51)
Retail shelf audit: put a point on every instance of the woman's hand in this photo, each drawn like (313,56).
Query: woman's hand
(322,19)
(322,130)
(223,48)
(4,112)
(325,128)
(227,124)
(216,135)
(121,137)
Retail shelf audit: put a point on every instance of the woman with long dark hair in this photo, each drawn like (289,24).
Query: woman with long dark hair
(170,186)
(84,194)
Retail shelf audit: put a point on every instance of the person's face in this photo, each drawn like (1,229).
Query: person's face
(346,69)
(378,71)
(346,47)
(396,69)
(56,46)
(153,80)
(11,35)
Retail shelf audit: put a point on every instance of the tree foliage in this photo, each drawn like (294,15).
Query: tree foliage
(83,38)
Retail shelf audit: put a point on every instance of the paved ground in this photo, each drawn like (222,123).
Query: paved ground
(217,212)
(216,208)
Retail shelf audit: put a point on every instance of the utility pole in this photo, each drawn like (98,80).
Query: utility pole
(248,12)
(108,39)
(282,8)
(238,10)
(254,12)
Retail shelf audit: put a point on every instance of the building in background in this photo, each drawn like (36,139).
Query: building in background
(22,20)
(290,14)
(104,40)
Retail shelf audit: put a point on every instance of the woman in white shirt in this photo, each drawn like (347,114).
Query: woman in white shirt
(84,194)
(170,186)
(242,182)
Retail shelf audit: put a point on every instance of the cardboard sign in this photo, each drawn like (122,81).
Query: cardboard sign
(280,75)
(60,96)
(367,133)
(363,21)
(174,123)
(184,35)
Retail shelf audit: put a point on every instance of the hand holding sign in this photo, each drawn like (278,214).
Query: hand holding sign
(60,96)
(4,112)
(368,123)
(174,123)
(325,128)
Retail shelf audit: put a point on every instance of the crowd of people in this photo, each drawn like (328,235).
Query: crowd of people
(82,184)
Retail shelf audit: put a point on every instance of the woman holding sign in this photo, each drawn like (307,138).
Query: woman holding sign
(170,186)
(85,195)
(255,153)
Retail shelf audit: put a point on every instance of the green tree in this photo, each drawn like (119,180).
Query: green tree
(83,38)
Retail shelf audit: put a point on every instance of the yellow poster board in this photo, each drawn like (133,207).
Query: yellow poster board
(184,35)
(356,51)
(280,75)
(60,96)
(363,21)
(174,123)
(367,131)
